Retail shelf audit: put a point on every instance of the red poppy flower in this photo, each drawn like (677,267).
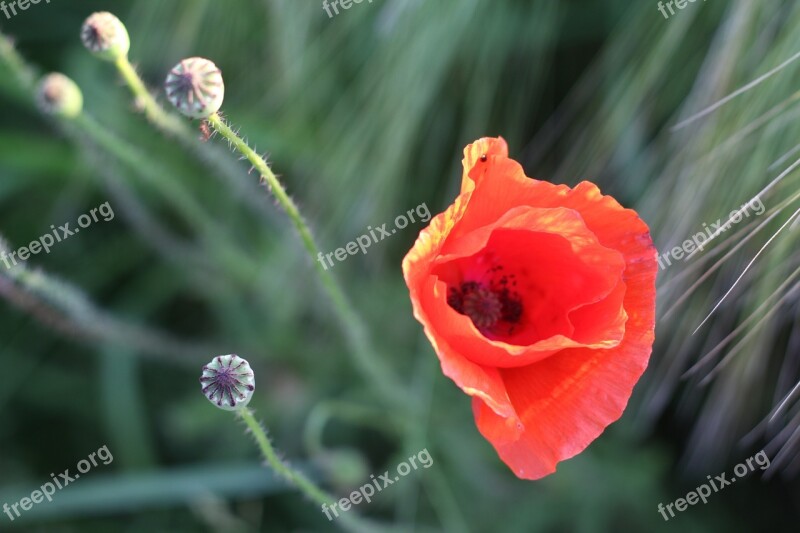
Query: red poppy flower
(540,303)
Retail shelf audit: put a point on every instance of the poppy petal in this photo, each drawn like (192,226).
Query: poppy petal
(567,400)
(593,272)
(586,348)
(474,379)
(476,157)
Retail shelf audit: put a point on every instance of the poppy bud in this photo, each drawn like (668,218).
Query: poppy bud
(58,95)
(195,87)
(105,36)
(228,382)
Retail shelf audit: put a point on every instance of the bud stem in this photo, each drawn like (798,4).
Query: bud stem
(152,110)
(296,478)
(292,476)
(172,126)
(366,358)
(231,256)
(25,76)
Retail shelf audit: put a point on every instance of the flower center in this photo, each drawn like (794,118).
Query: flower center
(483,307)
(490,305)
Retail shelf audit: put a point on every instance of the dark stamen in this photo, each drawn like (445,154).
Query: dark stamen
(488,305)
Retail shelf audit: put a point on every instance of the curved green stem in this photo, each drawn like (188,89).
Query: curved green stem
(152,110)
(66,309)
(294,477)
(236,261)
(298,479)
(367,416)
(366,358)
(173,126)
(23,74)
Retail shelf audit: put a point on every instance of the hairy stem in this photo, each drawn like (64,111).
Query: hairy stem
(297,479)
(172,126)
(67,310)
(168,123)
(366,358)
(233,258)
(23,74)
(294,477)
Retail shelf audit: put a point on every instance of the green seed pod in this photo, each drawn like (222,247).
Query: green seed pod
(195,87)
(228,382)
(60,96)
(105,36)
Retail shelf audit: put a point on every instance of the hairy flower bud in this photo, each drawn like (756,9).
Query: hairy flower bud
(105,36)
(195,87)
(228,382)
(58,95)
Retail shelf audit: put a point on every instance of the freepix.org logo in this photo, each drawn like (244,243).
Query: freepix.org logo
(377,484)
(48,240)
(10,9)
(64,479)
(374,236)
(331,7)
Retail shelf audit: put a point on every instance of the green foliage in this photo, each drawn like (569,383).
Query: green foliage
(364,116)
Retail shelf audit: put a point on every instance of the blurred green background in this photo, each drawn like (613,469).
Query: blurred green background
(364,117)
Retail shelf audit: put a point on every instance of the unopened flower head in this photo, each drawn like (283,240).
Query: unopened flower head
(58,95)
(228,382)
(105,36)
(195,87)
